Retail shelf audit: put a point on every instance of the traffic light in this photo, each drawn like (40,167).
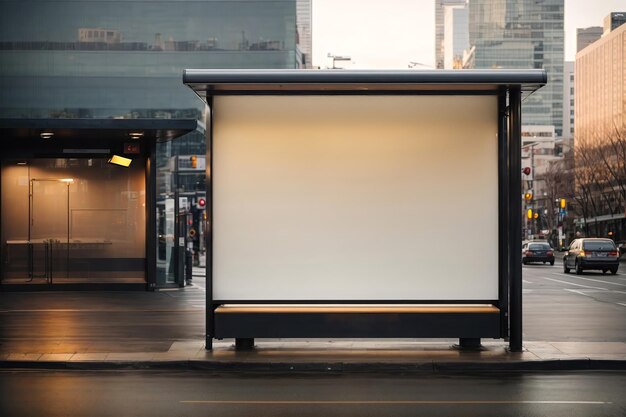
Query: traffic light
(529,213)
(563,203)
(535,215)
(201,204)
(526,171)
(528,196)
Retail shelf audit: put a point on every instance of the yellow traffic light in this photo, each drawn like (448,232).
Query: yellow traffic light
(563,203)
(535,215)
(528,196)
(529,213)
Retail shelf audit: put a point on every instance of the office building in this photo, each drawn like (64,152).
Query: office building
(600,126)
(304,33)
(523,34)
(440,12)
(613,20)
(568,101)
(456,36)
(82,81)
(587,36)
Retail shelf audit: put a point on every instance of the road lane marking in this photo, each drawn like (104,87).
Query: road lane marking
(621,304)
(577,292)
(382,402)
(526,281)
(578,285)
(589,279)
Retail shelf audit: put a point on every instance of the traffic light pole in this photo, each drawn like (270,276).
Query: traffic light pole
(515,218)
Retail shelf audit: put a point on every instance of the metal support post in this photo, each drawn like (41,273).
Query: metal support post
(515,218)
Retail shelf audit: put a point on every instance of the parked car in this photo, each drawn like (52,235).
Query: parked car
(537,252)
(621,247)
(591,253)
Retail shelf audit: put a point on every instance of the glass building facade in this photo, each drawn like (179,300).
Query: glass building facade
(440,13)
(110,59)
(518,34)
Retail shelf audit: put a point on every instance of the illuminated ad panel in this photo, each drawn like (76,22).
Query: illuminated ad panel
(355,198)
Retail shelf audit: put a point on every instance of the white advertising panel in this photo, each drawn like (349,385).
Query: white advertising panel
(355,198)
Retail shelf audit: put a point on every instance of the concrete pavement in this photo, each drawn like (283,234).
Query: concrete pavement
(164,330)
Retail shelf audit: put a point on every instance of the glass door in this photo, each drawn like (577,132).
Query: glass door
(49,210)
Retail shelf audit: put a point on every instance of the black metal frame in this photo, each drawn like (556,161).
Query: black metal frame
(506,85)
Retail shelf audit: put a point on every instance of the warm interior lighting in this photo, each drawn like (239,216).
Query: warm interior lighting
(120,160)
(136,135)
(46,135)
(22,163)
(69,180)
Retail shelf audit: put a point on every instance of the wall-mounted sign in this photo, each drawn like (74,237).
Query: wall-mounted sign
(132,148)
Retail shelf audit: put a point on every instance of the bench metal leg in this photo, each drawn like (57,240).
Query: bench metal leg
(244,343)
(208,344)
(470,343)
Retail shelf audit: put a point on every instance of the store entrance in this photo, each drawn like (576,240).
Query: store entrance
(73,220)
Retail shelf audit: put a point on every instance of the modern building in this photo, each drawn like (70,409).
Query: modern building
(81,81)
(568,102)
(440,27)
(304,32)
(600,125)
(587,36)
(613,20)
(523,34)
(456,36)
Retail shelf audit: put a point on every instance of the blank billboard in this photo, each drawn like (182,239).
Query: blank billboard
(355,198)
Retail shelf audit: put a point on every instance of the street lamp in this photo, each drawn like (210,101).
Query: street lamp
(336,58)
(414,64)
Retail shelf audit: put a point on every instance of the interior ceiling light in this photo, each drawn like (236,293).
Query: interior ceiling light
(46,135)
(136,135)
(120,160)
(22,163)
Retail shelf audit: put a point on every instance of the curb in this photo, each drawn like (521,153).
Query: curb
(324,368)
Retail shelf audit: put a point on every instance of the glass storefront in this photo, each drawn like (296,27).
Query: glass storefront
(73,220)
(123,59)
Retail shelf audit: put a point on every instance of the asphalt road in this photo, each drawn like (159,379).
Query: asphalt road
(557,307)
(114,394)
(570,307)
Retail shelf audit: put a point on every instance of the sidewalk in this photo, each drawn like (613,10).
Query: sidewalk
(337,356)
(165,330)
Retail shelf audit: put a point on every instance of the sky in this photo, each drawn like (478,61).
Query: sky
(392,33)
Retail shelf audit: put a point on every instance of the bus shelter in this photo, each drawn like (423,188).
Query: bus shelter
(364,203)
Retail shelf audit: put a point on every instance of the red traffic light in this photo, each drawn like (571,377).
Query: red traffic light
(526,171)
(201,202)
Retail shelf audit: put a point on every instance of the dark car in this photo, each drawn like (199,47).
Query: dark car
(537,252)
(591,253)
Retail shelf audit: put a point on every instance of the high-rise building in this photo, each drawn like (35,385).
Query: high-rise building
(600,89)
(67,64)
(523,34)
(613,20)
(440,10)
(600,125)
(587,36)
(456,36)
(303,32)
(568,102)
